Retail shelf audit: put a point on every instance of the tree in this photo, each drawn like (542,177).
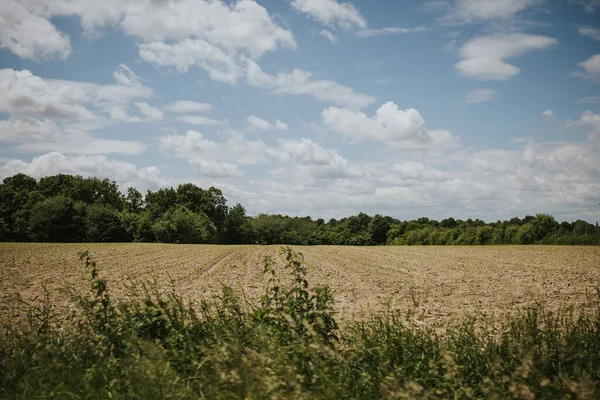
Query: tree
(15,204)
(55,220)
(238,226)
(448,223)
(524,235)
(378,229)
(104,223)
(359,223)
(184,226)
(191,227)
(161,201)
(134,201)
(543,225)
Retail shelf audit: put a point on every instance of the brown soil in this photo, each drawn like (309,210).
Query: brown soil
(430,285)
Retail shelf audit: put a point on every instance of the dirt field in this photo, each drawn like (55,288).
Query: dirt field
(434,285)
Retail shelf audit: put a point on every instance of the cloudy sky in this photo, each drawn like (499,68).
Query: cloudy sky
(466,108)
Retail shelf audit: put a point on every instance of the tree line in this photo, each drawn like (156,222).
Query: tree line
(71,208)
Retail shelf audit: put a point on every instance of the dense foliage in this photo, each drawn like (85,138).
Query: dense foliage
(68,208)
(289,346)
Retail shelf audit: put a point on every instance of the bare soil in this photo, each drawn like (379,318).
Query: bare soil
(432,286)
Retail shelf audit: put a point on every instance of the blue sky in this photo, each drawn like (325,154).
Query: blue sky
(464,108)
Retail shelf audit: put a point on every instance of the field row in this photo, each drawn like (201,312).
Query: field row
(434,285)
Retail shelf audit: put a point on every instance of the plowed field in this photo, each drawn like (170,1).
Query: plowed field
(434,285)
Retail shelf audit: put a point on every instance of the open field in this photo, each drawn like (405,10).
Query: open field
(438,284)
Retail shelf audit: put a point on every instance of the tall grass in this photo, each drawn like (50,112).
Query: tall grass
(157,345)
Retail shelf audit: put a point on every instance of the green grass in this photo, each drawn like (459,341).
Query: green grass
(155,345)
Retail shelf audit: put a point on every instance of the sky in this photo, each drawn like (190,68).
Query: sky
(483,109)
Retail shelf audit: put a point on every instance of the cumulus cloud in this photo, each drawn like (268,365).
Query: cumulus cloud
(390,125)
(215,169)
(471,11)
(220,65)
(299,82)
(330,36)
(331,12)
(259,123)
(125,174)
(591,68)
(304,156)
(480,96)
(588,120)
(548,114)
(483,57)
(24,94)
(30,36)
(50,114)
(213,35)
(42,135)
(186,106)
(244,26)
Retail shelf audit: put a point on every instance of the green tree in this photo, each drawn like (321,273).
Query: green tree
(184,226)
(239,230)
(55,220)
(524,234)
(543,225)
(134,201)
(378,230)
(104,223)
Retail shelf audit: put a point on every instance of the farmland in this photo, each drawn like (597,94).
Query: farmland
(434,285)
(408,322)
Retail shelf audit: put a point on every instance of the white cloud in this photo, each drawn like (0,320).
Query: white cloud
(125,76)
(589,120)
(329,12)
(198,120)
(215,169)
(483,57)
(300,82)
(30,36)
(185,106)
(153,113)
(391,125)
(469,11)
(49,114)
(22,93)
(39,136)
(219,65)
(288,156)
(591,66)
(244,26)
(592,33)
(365,33)
(259,123)
(480,96)
(332,38)
(125,174)
(548,114)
